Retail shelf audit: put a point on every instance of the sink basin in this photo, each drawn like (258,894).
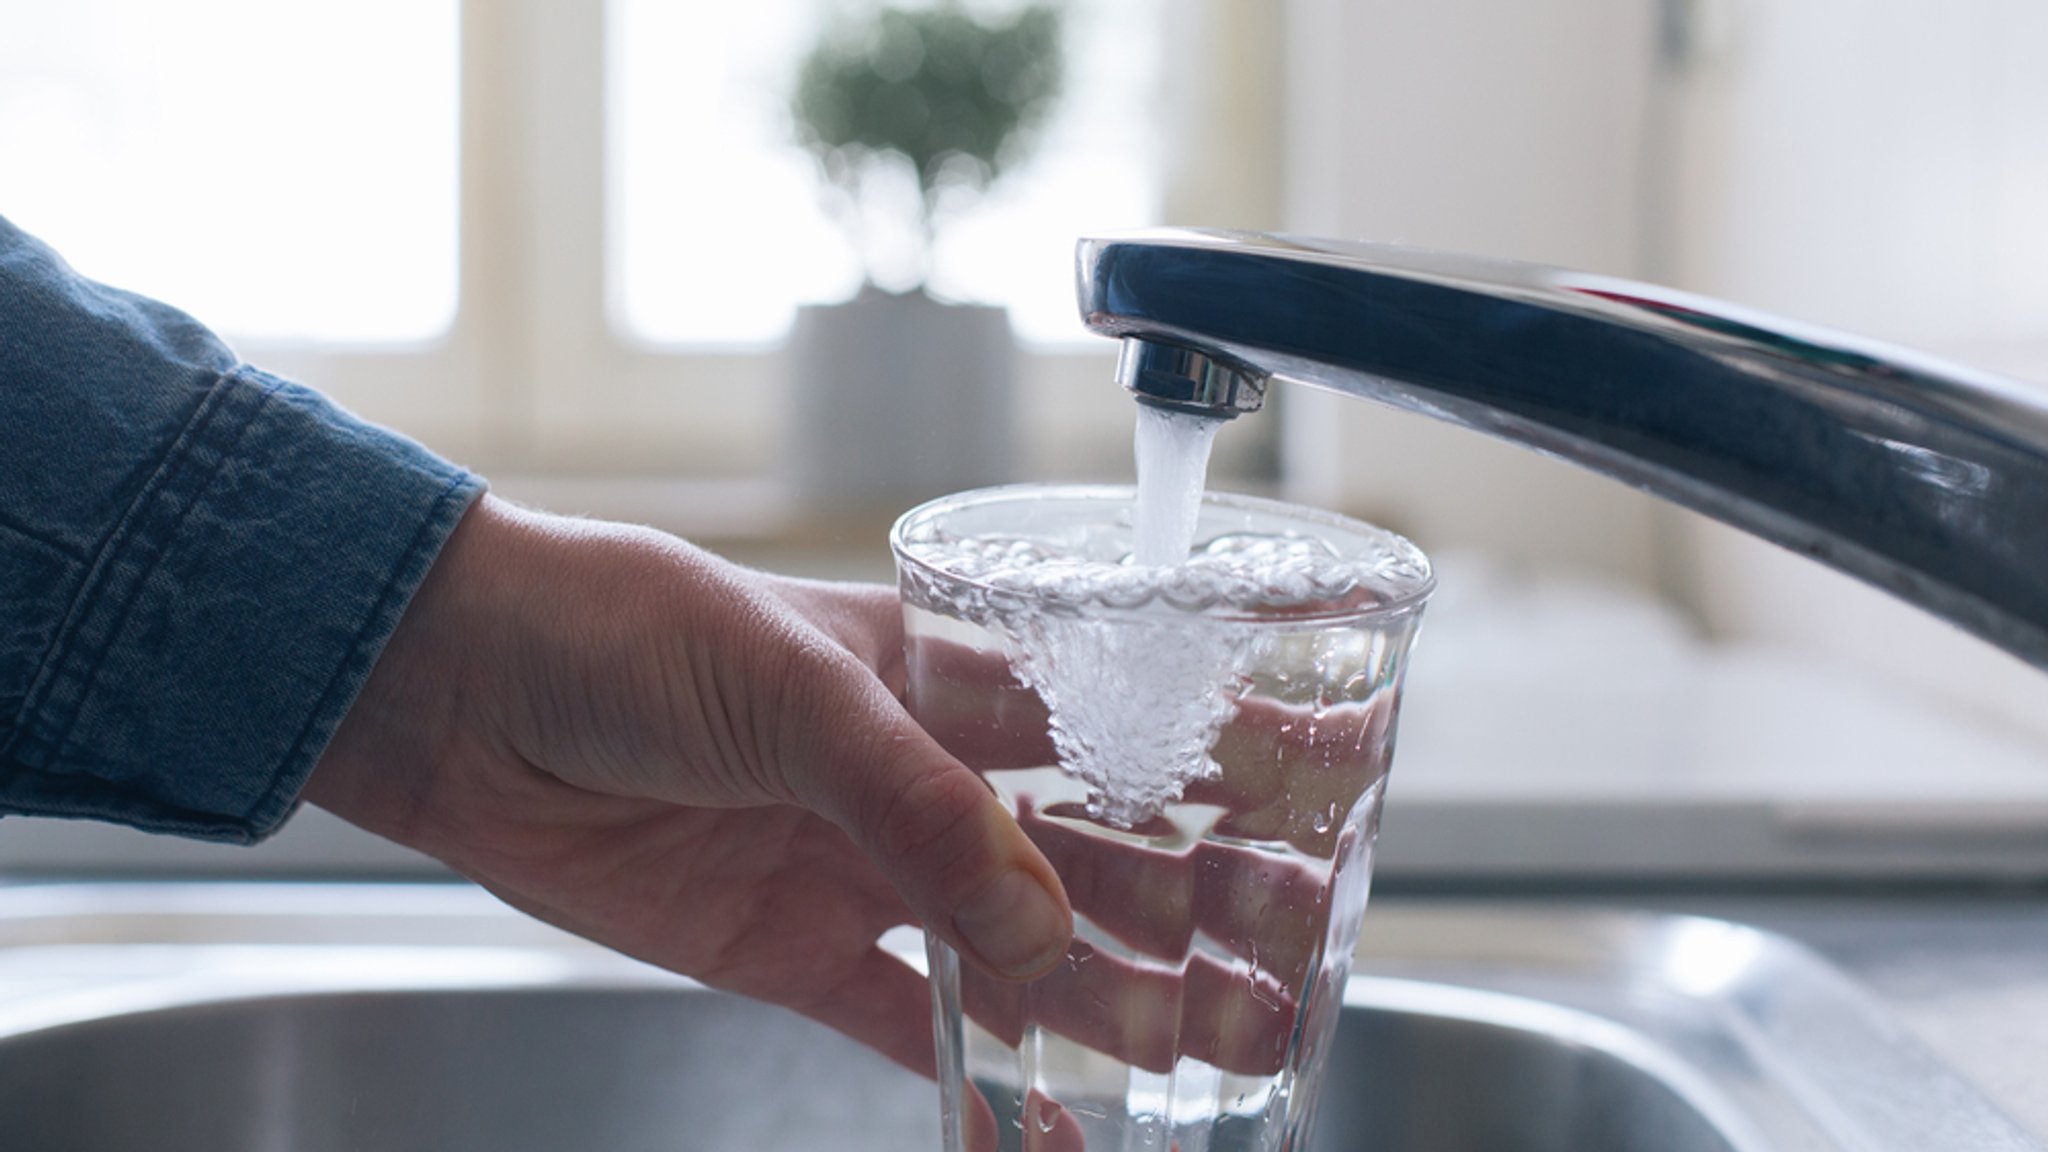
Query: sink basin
(396,1018)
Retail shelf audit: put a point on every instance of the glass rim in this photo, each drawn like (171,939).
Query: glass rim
(1409,601)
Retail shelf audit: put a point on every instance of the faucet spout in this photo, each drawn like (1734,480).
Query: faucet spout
(1927,479)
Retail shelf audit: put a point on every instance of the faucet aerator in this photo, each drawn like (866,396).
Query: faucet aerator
(1184,380)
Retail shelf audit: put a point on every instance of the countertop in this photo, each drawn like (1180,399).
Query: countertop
(1966,973)
(1969,977)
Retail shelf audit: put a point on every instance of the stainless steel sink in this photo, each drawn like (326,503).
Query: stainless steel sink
(393,1018)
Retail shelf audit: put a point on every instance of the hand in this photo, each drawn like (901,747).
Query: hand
(699,765)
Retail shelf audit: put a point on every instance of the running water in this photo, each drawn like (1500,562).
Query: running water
(1173,465)
(1135,704)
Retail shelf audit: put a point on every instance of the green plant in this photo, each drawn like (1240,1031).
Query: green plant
(933,97)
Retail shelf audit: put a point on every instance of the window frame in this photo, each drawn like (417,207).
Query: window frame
(534,386)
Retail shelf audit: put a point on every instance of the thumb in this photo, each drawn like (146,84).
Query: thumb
(935,830)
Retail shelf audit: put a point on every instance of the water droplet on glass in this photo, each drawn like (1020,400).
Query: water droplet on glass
(1046,1113)
(1264,997)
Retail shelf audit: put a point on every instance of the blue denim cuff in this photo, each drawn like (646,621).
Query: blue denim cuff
(228,623)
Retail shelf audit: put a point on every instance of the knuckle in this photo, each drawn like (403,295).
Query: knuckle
(934,818)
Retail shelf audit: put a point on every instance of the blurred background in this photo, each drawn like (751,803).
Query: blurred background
(578,246)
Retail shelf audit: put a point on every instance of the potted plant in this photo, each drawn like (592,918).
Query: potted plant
(911,115)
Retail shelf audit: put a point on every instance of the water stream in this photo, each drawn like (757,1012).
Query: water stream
(1173,465)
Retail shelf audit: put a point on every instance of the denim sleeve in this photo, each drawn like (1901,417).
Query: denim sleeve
(199,562)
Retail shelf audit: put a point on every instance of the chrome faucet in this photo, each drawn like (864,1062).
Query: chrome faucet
(1926,479)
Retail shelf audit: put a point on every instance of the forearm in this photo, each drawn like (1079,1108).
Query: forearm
(200,562)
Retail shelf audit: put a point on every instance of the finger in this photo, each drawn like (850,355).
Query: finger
(976,708)
(1048,1126)
(1265,908)
(978,1118)
(1295,775)
(883,1003)
(1142,897)
(1235,1018)
(932,827)
(867,619)
(1271,911)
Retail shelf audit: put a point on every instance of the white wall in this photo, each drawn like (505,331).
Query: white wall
(1880,166)
(1877,165)
(1510,130)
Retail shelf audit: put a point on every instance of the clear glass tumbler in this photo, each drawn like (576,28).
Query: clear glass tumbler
(1200,753)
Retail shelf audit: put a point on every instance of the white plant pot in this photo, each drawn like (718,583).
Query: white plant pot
(898,399)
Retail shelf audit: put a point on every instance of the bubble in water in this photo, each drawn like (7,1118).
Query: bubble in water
(1135,705)
(1172,450)
(1140,667)
(1231,573)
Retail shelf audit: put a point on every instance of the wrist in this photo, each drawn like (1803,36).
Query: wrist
(388,757)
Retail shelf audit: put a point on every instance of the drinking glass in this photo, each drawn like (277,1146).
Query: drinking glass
(1202,762)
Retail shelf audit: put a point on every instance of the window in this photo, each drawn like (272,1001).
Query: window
(718,230)
(549,240)
(283,170)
